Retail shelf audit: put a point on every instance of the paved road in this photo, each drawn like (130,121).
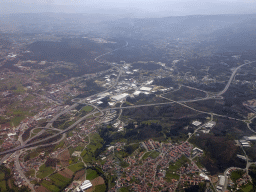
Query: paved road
(25,144)
(19,169)
(226,176)
(83,118)
(232,77)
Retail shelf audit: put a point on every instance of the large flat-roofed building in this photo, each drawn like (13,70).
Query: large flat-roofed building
(136,93)
(84,186)
(196,123)
(120,97)
(145,88)
(252,138)
(222,180)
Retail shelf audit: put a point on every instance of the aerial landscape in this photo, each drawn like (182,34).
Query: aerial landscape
(123,102)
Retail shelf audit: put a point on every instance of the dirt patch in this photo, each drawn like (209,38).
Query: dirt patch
(97,181)
(67,173)
(41,189)
(80,175)
(9,183)
(64,158)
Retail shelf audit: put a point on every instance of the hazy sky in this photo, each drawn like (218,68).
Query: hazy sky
(146,7)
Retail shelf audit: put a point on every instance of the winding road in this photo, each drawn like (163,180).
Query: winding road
(232,77)
(28,145)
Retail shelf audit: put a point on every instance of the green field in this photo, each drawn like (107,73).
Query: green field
(76,167)
(87,109)
(48,185)
(31,155)
(173,167)
(170,176)
(2,175)
(91,174)
(248,187)
(44,171)
(60,145)
(60,181)
(124,189)
(3,185)
(100,188)
(30,173)
(235,175)
(89,153)
(152,154)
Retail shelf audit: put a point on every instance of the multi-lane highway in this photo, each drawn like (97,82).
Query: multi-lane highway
(128,107)
(26,144)
(232,77)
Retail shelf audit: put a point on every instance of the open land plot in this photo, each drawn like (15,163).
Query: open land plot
(49,186)
(152,154)
(44,171)
(60,181)
(214,106)
(66,173)
(76,167)
(144,99)
(185,93)
(91,174)
(64,158)
(87,109)
(79,175)
(88,154)
(41,189)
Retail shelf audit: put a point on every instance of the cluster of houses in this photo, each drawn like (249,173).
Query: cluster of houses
(149,174)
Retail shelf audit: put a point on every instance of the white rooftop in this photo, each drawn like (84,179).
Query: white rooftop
(145,88)
(136,92)
(222,180)
(120,97)
(252,138)
(196,123)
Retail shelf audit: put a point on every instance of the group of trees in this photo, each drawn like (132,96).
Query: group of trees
(220,153)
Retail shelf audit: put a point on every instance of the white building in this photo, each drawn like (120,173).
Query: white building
(196,123)
(252,138)
(120,97)
(222,180)
(210,124)
(85,185)
(136,93)
(145,88)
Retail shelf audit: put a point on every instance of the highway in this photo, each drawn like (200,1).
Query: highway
(232,77)
(83,118)
(19,169)
(49,124)
(83,101)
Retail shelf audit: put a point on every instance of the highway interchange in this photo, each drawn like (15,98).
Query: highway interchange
(25,145)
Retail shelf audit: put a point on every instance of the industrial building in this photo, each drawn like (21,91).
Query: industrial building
(245,143)
(222,180)
(120,97)
(196,123)
(84,186)
(145,88)
(251,138)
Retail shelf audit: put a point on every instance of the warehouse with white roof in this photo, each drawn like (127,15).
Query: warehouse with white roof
(145,88)
(84,186)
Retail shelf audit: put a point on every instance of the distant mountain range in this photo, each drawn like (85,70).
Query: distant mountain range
(226,30)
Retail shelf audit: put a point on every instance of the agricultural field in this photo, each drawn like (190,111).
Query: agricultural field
(152,154)
(88,154)
(44,171)
(174,167)
(76,167)
(91,174)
